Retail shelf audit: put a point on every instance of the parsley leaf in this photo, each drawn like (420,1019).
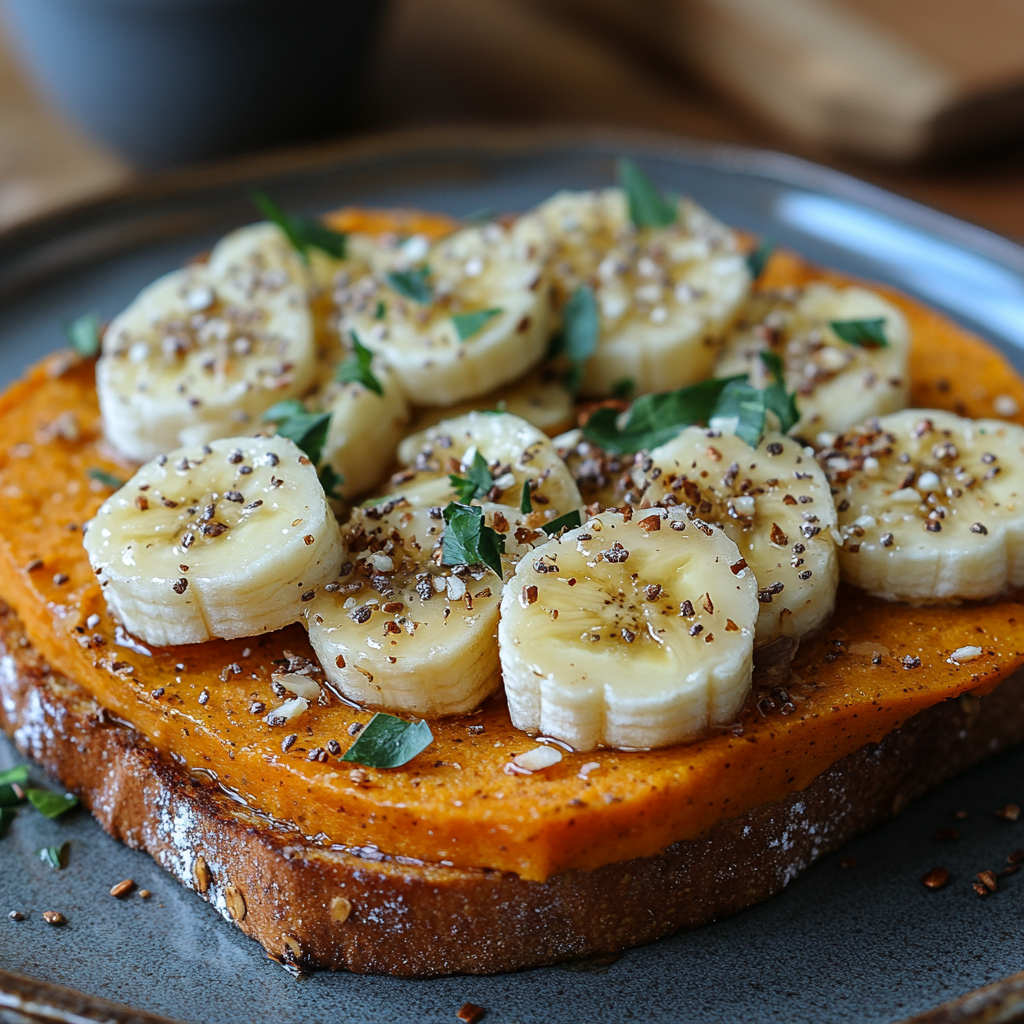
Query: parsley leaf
(356,368)
(84,334)
(581,328)
(758,259)
(11,797)
(378,313)
(18,775)
(745,406)
(569,521)
(864,333)
(624,388)
(331,481)
(307,429)
(412,284)
(648,208)
(105,478)
(476,483)
(468,324)
(526,502)
(7,815)
(55,856)
(389,742)
(777,399)
(302,232)
(467,541)
(52,805)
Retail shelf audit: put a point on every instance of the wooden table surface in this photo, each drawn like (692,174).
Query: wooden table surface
(500,62)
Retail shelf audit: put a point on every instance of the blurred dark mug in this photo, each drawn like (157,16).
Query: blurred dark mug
(167,82)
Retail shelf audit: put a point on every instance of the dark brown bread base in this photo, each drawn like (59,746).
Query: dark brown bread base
(312,907)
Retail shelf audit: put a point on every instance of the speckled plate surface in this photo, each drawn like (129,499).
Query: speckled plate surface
(864,943)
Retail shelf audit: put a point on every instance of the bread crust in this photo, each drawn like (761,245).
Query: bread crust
(313,907)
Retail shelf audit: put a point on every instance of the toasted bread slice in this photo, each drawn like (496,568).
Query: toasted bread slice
(313,907)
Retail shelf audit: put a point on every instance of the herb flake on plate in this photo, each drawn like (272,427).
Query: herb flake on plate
(49,804)
(84,334)
(758,259)
(476,483)
(389,742)
(526,502)
(356,369)
(468,541)
(581,329)
(648,208)
(107,479)
(412,284)
(569,521)
(55,856)
(331,481)
(469,324)
(862,333)
(307,429)
(303,233)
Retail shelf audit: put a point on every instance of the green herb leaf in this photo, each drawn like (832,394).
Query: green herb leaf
(570,521)
(302,233)
(50,804)
(581,325)
(526,502)
(356,368)
(55,856)
(747,405)
(84,334)
(499,409)
(654,419)
(864,333)
(18,775)
(307,429)
(9,796)
(758,259)
(7,815)
(331,480)
(412,284)
(389,742)
(777,399)
(624,388)
(378,313)
(105,478)
(648,208)
(468,324)
(467,541)
(476,483)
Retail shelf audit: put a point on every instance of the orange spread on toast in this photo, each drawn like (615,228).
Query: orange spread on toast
(455,802)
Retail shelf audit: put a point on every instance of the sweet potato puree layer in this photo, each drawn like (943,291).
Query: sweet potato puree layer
(456,801)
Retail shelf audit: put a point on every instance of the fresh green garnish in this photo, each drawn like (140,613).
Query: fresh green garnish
(302,232)
(746,405)
(105,478)
(500,408)
(412,284)
(623,389)
(52,805)
(526,502)
(476,483)
(569,521)
(581,328)
(467,541)
(9,796)
(18,775)
(389,742)
(864,333)
(758,259)
(7,815)
(378,313)
(55,856)
(648,208)
(307,429)
(356,368)
(331,481)
(84,334)
(777,399)
(468,324)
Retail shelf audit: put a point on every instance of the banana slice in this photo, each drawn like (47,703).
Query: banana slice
(398,629)
(635,630)
(365,429)
(539,398)
(837,383)
(516,453)
(930,506)
(665,295)
(603,479)
(223,540)
(455,319)
(207,349)
(773,502)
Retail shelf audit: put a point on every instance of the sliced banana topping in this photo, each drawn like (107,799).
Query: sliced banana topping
(665,296)
(838,380)
(635,630)
(204,351)
(931,506)
(222,540)
(491,455)
(773,502)
(457,318)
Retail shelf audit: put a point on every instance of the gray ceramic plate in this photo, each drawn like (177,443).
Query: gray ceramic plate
(868,943)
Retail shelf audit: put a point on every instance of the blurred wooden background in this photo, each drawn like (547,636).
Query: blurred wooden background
(505,62)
